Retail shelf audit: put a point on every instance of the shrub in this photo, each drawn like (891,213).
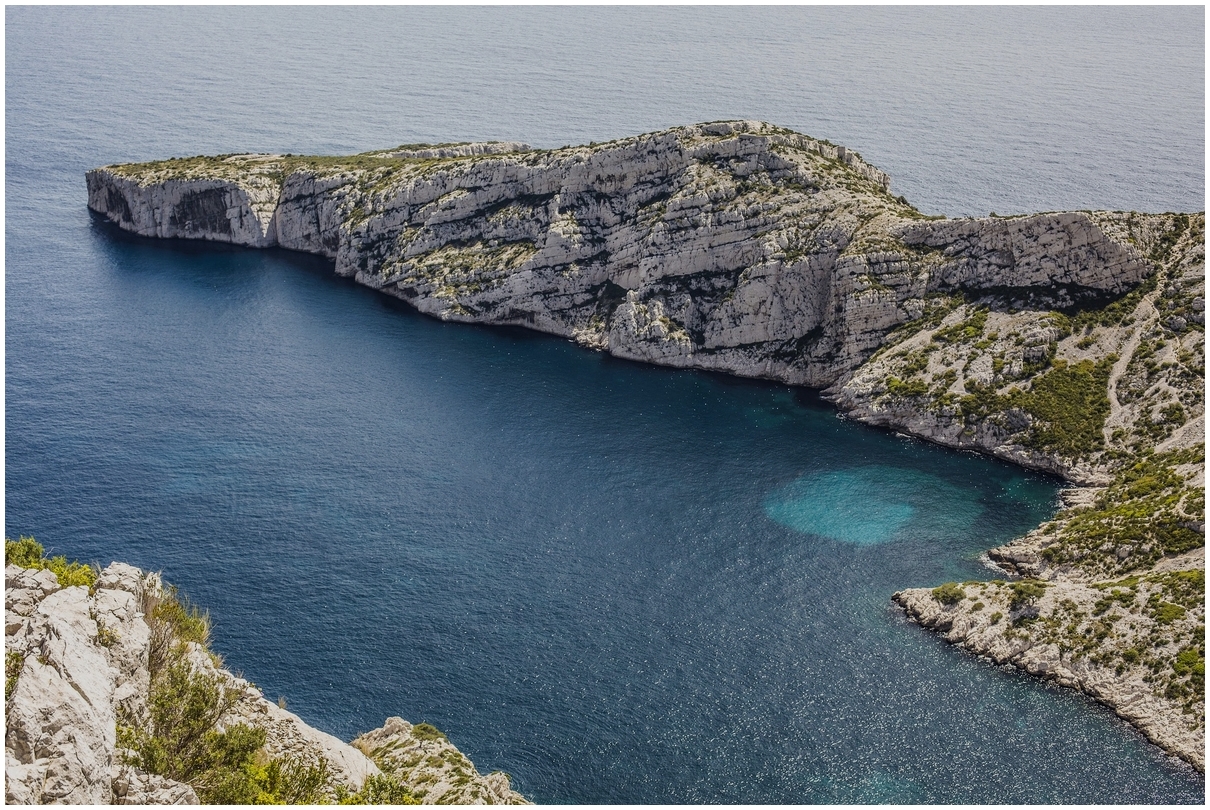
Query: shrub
(1024,592)
(424,731)
(1070,405)
(173,619)
(1125,597)
(963,331)
(178,739)
(950,593)
(381,789)
(1173,414)
(289,780)
(28,553)
(1190,661)
(911,388)
(188,622)
(1163,612)
(13,662)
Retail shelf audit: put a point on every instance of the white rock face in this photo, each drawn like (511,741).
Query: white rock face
(1063,255)
(84,657)
(216,210)
(735,246)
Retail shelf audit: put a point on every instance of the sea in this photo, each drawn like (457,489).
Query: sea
(615,582)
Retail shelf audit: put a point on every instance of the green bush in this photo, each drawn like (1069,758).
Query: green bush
(1163,612)
(1069,404)
(28,553)
(188,622)
(382,789)
(424,731)
(1124,597)
(178,739)
(912,388)
(964,331)
(950,593)
(13,662)
(1190,661)
(1024,592)
(288,780)
(173,620)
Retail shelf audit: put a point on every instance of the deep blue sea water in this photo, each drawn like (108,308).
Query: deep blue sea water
(617,583)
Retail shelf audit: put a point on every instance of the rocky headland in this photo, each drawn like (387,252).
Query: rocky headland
(113,697)
(1069,342)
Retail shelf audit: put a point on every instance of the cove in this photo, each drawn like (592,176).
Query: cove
(572,565)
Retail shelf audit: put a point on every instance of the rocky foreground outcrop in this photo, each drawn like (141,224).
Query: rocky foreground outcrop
(77,666)
(1068,342)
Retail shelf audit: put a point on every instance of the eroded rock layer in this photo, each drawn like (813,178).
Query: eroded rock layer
(735,246)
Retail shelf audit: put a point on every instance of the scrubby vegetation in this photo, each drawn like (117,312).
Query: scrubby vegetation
(966,330)
(186,733)
(13,661)
(1149,510)
(1153,624)
(1025,592)
(950,593)
(28,553)
(1068,405)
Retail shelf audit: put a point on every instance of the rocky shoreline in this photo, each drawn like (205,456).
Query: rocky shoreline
(1068,342)
(79,687)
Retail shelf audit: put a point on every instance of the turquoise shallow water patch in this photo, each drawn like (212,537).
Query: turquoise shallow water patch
(870,504)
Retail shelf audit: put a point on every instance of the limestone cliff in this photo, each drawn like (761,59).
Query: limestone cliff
(1066,342)
(734,246)
(78,667)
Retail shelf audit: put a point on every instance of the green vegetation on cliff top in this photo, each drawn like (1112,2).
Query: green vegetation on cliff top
(28,553)
(179,736)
